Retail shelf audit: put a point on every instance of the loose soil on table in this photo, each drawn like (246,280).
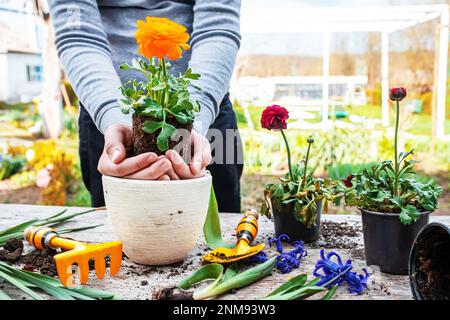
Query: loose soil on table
(146,142)
(433,269)
(172,293)
(35,260)
(337,235)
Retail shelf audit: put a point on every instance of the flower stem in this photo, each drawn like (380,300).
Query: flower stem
(306,166)
(396,169)
(288,154)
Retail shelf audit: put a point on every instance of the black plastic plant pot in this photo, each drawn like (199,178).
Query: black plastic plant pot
(286,223)
(388,242)
(429,263)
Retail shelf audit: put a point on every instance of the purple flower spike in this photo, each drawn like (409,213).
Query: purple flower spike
(357,282)
(332,271)
(286,262)
(277,241)
(260,257)
(299,251)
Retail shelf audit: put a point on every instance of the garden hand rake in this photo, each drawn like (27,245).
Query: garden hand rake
(76,252)
(246,232)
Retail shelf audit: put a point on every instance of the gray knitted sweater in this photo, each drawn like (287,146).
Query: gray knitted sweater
(94,37)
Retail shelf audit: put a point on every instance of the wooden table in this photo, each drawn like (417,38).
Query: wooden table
(137,282)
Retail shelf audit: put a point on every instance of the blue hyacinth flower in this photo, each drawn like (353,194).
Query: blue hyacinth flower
(260,257)
(332,271)
(277,241)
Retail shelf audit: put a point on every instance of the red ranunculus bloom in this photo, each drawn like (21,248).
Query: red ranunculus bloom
(348,181)
(397,94)
(274,117)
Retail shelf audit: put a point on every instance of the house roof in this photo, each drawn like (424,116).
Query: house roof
(12,41)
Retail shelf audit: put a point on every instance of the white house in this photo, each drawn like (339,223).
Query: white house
(20,68)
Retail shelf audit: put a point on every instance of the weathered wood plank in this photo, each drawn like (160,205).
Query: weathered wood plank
(130,283)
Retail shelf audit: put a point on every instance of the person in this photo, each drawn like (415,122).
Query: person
(94,37)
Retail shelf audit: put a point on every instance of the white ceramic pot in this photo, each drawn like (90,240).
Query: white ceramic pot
(157,221)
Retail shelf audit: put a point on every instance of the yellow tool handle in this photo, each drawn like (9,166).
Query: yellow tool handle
(45,237)
(247,228)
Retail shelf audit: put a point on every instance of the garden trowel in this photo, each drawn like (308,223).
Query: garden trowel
(246,232)
(75,252)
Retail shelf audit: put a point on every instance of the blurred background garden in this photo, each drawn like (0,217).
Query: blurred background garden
(328,62)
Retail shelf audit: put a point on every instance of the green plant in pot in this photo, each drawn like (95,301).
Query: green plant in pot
(158,221)
(394,204)
(161,104)
(297,201)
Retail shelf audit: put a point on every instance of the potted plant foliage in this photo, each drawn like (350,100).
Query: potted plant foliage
(394,204)
(158,221)
(297,201)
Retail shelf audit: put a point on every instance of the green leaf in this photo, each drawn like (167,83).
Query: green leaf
(232,271)
(4,296)
(330,293)
(294,283)
(188,74)
(18,228)
(43,285)
(162,141)
(151,108)
(240,280)
(297,293)
(182,118)
(125,105)
(211,271)
(152,126)
(211,228)
(19,284)
(409,214)
(75,291)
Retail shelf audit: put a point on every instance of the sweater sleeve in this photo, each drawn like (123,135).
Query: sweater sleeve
(215,42)
(85,55)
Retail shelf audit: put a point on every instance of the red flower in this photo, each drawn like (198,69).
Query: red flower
(397,94)
(348,181)
(274,118)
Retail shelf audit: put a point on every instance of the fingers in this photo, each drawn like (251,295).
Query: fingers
(116,139)
(179,166)
(156,170)
(164,177)
(201,153)
(128,166)
(172,174)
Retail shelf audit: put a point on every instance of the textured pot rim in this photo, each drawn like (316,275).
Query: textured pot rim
(205,178)
(390,214)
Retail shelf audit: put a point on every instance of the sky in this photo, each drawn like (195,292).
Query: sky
(310,44)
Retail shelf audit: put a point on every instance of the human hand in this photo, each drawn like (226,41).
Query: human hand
(201,157)
(113,161)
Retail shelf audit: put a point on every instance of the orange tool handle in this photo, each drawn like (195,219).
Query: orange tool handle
(44,237)
(247,228)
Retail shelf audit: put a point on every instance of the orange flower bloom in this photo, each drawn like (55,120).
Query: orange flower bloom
(161,37)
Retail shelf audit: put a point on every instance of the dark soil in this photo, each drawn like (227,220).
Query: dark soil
(433,266)
(41,261)
(337,235)
(172,293)
(11,251)
(146,142)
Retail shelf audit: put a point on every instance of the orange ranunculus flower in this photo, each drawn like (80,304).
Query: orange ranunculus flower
(161,37)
